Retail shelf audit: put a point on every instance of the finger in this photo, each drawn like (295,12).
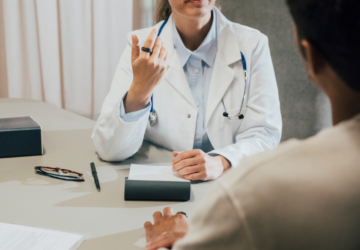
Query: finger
(149,43)
(156,48)
(181,216)
(135,49)
(190,170)
(185,155)
(148,226)
(163,52)
(186,163)
(157,216)
(165,59)
(168,212)
(195,176)
(174,153)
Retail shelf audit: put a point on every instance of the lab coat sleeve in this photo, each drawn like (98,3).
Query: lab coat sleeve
(133,116)
(114,138)
(262,126)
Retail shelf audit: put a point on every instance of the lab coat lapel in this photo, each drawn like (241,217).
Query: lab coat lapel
(223,75)
(175,75)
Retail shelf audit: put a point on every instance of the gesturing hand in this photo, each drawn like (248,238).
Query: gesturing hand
(166,230)
(148,69)
(197,165)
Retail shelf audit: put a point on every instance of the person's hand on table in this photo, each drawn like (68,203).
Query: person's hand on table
(166,230)
(197,165)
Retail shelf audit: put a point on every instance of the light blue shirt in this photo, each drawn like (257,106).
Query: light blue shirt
(198,67)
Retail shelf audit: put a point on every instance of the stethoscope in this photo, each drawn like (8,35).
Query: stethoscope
(153,115)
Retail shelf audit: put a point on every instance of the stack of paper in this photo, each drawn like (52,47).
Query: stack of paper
(20,237)
(154,173)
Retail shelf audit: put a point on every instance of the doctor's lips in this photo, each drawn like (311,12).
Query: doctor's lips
(195,1)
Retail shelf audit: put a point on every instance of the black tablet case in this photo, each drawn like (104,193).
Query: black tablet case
(20,136)
(157,190)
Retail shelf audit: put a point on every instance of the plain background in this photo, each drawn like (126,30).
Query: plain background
(62,52)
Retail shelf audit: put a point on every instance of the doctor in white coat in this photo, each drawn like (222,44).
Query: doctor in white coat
(192,80)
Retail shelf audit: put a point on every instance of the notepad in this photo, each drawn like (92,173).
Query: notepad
(21,237)
(154,173)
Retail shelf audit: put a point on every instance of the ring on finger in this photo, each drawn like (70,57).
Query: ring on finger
(182,213)
(146,50)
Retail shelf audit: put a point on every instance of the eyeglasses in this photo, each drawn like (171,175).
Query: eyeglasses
(62,174)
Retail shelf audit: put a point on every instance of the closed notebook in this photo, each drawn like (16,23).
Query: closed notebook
(156,183)
(20,136)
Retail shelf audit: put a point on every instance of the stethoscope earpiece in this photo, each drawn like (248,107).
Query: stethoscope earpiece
(241,116)
(225,114)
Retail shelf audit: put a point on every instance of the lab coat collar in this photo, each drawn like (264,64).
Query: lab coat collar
(206,51)
(228,47)
(175,75)
(167,37)
(228,53)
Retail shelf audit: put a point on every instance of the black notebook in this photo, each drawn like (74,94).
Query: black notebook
(156,183)
(20,136)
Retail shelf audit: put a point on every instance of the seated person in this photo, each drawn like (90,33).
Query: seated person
(304,194)
(162,96)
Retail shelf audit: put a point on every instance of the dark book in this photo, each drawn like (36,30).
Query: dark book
(140,190)
(20,136)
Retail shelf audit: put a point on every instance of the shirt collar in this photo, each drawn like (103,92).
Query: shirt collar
(206,51)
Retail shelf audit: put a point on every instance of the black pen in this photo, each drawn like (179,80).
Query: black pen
(94,173)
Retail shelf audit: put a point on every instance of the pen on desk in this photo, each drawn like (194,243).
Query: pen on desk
(94,173)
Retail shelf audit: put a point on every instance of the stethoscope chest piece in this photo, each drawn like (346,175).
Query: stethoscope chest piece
(152,118)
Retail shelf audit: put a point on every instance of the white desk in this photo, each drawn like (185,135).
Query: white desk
(39,201)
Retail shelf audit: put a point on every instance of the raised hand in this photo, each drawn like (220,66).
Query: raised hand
(148,69)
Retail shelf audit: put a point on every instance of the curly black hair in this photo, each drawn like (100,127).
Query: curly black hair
(333,28)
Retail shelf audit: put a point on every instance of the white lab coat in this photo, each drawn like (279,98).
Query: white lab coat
(116,140)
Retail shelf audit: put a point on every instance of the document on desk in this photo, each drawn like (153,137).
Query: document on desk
(21,237)
(154,173)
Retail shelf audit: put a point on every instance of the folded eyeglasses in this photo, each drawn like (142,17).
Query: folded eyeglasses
(59,173)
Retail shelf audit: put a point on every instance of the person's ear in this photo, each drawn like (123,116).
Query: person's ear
(315,63)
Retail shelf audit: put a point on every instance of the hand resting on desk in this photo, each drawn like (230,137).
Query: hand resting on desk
(167,229)
(197,165)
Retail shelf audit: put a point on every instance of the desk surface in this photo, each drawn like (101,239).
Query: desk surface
(39,201)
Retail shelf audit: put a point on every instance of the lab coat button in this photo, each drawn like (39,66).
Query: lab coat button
(189,116)
(196,71)
(196,137)
(197,104)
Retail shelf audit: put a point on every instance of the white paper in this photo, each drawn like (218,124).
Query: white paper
(153,173)
(21,237)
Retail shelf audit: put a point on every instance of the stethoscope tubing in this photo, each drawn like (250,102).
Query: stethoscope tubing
(159,33)
(153,115)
